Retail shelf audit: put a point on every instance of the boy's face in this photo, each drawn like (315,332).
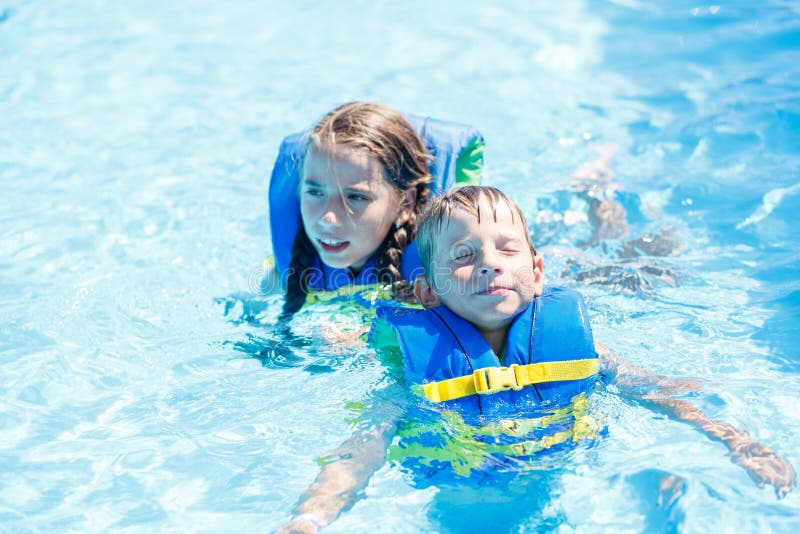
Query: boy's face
(484,272)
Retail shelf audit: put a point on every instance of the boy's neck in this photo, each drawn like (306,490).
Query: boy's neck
(496,339)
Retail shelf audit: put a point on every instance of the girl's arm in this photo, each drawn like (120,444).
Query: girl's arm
(761,462)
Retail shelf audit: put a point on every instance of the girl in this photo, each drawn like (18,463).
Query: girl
(362,175)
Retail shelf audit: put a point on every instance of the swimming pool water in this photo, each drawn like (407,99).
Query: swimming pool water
(142,387)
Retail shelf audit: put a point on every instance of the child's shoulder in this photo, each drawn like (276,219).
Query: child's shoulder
(391,319)
(562,295)
(555,291)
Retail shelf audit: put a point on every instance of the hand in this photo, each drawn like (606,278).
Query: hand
(342,340)
(764,466)
(302,524)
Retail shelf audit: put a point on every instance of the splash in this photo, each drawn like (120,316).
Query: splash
(768,204)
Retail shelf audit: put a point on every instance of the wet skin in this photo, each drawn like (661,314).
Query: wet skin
(348,205)
(483,271)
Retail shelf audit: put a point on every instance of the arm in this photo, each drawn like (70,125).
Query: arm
(638,381)
(347,472)
(761,462)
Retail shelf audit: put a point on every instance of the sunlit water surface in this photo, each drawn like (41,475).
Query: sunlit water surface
(143,387)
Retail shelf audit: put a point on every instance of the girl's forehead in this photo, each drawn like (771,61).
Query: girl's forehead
(333,150)
(343,165)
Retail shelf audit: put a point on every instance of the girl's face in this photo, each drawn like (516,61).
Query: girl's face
(348,205)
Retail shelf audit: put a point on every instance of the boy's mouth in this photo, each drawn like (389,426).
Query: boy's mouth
(331,245)
(495,290)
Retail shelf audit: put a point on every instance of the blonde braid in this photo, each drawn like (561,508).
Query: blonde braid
(390,257)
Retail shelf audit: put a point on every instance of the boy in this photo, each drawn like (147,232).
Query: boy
(494,341)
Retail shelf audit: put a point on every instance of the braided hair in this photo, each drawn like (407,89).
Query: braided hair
(387,135)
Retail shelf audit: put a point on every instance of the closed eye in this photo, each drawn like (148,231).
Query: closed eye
(509,246)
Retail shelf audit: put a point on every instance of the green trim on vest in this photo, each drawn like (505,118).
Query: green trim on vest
(470,163)
(466,447)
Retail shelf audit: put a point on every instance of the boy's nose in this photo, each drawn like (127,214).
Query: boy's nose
(491,262)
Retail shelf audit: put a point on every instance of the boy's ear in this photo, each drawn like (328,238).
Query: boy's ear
(538,274)
(407,204)
(425,293)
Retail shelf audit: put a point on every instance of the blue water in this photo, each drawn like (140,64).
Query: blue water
(136,141)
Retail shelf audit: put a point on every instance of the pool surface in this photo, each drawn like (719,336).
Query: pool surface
(143,387)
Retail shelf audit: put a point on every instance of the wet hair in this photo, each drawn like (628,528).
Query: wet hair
(467,198)
(387,135)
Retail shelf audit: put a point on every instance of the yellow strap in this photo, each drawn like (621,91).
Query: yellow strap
(495,379)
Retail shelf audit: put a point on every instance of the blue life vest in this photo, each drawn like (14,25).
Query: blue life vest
(437,345)
(457,152)
(508,431)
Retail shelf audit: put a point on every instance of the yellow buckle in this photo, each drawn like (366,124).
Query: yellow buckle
(496,379)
